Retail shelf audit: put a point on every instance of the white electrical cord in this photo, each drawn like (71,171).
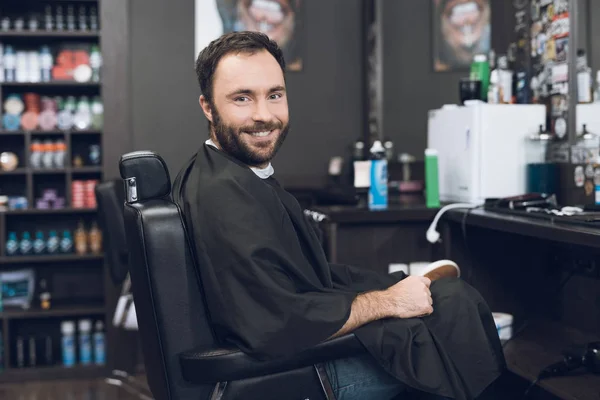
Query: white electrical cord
(433,236)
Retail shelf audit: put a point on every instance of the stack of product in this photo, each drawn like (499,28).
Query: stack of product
(47,154)
(13,203)
(34,351)
(83,195)
(83,242)
(88,352)
(30,111)
(64,17)
(50,200)
(74,62)
(40,245)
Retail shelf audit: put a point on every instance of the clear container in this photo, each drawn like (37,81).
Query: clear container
(541,175)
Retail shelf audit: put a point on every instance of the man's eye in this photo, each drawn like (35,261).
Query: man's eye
(276,96)
(242,99)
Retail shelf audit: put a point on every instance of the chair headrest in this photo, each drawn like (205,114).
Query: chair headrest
(146,176)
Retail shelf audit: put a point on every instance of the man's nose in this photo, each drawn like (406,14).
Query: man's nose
(262,112)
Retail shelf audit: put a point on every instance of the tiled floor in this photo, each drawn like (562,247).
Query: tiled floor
(69,390)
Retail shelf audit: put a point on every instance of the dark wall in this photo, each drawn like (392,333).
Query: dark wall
(412,88)
(325,99)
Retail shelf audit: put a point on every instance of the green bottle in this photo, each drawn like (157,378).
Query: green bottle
(480,70)
(432,190)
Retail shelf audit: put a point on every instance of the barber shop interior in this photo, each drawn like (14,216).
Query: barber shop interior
(421,178)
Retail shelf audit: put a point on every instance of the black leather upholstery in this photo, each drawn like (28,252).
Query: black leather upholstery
(183,360)
(110,196)
(231,364)
(150,173)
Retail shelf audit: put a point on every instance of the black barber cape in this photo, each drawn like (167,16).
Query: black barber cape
(271,292)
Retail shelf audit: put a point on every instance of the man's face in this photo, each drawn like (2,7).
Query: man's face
(275,18)
(249,112)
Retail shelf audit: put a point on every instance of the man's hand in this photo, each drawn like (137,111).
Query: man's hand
(410,298)
(406,299)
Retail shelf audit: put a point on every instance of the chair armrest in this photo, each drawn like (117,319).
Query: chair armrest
(230,364)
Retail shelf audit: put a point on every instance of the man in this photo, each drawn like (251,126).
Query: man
(269,288)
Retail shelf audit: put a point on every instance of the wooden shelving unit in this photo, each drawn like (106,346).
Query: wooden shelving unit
(65,273)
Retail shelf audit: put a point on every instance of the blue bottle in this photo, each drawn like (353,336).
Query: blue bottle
(39,244)
(99,344)
(68,343)
(66,243)
(26,245)
(53,243)
(12,244)
(85,342)
(378,191)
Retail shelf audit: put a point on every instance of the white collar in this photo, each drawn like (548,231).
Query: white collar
(262,173)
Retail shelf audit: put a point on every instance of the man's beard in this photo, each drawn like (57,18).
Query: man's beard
(230,140)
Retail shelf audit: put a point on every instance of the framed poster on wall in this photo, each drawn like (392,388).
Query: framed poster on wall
(460,29)
(281,20)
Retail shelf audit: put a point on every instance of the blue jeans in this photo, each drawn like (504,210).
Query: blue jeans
(361,378)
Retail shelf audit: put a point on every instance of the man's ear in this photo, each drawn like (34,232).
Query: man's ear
(204,103)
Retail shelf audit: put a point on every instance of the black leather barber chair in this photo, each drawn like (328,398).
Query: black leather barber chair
(183,358)
(110,196)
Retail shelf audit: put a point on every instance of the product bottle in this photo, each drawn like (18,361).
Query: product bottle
(95,63)
(505,80)
(45,297)
(378,191)
(68,343)
(584,78)
(480,70)
(53,244)
(95,237)
(97,113)
(35,158)
(26,245)
(66,243)
(10,64)
(46,63)
(12,244)
(85,341)
(39,244)
(80,239)
(432,194)
(99,344)
(597,91)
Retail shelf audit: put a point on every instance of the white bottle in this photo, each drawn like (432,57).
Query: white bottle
(597,91)
(68,343)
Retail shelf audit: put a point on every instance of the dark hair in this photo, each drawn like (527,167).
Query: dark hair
(234,42)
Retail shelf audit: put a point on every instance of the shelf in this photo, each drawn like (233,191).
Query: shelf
(542,344)
(18,171)
(50,34)
(52,132)
(75,170)
(35,211)
(49,258)
(13,375)
(50,84)
(65,311)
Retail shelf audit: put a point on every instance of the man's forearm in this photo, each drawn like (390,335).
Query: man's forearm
(366,307)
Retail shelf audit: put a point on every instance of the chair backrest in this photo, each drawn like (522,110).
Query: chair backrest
(170,305)
(110,196)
